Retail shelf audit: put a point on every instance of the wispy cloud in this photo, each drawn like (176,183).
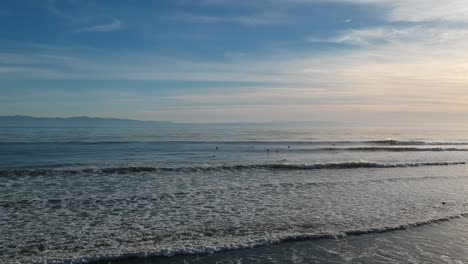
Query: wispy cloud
(55,47)
(414,10)
(17,72)
(84,19)
(392,66)
(258,19)
(398,34)
(114,25)
(428,10)
(50,5)
(397,10)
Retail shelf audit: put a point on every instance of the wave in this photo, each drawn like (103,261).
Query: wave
(416,142)
(393,149)
(390,142)
(273,166)
(176,195)
(251,243)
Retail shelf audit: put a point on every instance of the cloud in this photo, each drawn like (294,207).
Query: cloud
(259,19)
(428,10)
(50,5)
(391,67)
(416,56)
(84,17)
(414,10)
(41,59)
(385,34)
(396,10)
(18,72)
(114,25)
(55,47)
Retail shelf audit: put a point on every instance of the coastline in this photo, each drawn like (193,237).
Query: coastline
(439,242)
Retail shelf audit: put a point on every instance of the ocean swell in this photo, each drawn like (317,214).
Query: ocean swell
(393,149)
(272,166)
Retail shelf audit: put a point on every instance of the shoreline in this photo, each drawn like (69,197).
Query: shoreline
(447,229)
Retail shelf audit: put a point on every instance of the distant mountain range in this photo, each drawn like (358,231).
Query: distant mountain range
(19,120)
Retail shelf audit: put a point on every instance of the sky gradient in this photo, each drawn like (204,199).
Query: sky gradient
(233,60)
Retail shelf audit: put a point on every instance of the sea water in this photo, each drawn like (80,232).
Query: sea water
(84,194)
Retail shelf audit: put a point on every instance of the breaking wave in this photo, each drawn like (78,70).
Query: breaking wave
(394,149)
(273,166)
(416,142)
(250,243)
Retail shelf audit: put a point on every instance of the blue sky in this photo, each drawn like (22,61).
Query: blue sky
(233,60)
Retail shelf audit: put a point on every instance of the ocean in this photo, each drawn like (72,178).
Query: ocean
(233,193)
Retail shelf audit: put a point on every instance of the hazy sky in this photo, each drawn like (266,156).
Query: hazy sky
(236,60)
